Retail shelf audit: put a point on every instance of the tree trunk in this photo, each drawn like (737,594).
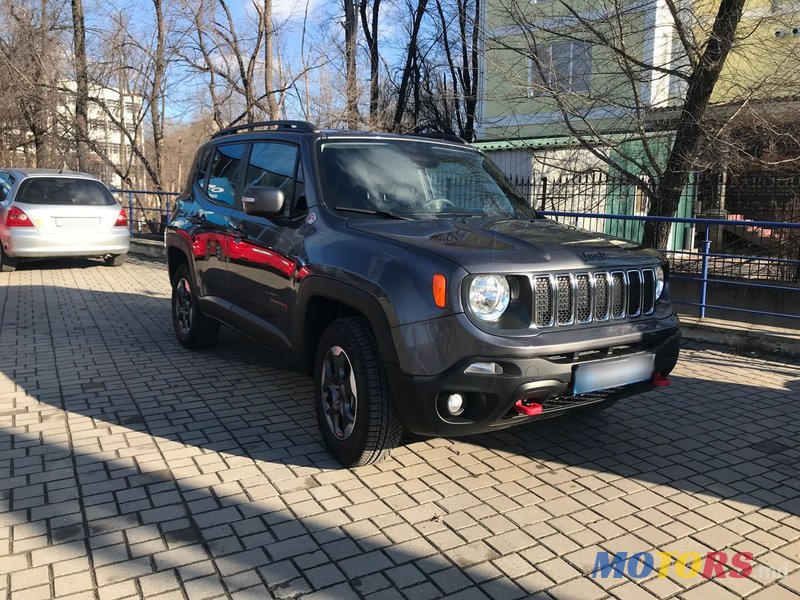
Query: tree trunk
(157,95)
(371,35)
(689,130)
(82,85)
(350,52)
(269,78)
(408,70)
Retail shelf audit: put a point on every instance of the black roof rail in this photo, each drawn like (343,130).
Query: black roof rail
(448,137)
(298,126)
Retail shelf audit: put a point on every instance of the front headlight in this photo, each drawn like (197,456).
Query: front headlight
(659,282)
(489,296)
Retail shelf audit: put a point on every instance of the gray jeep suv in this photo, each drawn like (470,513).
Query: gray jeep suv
(413,282)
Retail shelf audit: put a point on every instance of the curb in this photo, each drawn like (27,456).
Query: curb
(148,248)
(742,340)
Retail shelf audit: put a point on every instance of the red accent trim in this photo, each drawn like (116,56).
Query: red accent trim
(660,381)
(529,410)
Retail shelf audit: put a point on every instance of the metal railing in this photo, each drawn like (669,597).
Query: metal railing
(759,255)
(148,211)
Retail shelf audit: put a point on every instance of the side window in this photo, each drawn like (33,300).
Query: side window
(274,164)
(201,176)
(6,181)
(223,174)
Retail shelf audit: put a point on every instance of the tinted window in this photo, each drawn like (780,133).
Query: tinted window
(6,181)
(274,164)
(64,191)
(223,175)
(202,168)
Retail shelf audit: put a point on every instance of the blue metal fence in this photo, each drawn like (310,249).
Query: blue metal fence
(759,255)
(148,211)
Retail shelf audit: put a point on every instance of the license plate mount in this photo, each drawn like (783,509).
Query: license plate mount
(593,377)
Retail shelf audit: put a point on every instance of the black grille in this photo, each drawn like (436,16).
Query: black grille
(648,291)
(634,293)
(564,299)
(617,295)
(562,402)
(583,303)
(544,302)
(600,296)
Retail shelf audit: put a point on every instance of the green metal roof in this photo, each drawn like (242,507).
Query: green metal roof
(559,141)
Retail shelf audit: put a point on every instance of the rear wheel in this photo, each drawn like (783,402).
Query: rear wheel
(115,260)
(193,329)
(356,413)
(7,263)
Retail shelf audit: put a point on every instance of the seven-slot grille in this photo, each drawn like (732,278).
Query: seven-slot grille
(585,297)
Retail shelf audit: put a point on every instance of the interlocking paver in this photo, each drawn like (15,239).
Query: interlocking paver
(198,475)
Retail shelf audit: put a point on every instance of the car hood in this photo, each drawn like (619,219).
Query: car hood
(491,244)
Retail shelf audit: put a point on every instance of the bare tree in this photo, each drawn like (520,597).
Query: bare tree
(82,84)
(350,25)
(370,27)
(30,47)
(407,74)
(632,82)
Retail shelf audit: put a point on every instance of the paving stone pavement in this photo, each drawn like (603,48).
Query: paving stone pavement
(130,467)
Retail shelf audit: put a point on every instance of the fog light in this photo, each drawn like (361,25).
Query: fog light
(484,368)
(455,404)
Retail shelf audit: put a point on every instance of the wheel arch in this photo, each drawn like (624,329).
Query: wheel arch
(323,300)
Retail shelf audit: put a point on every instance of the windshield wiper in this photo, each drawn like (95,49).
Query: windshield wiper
(378,213)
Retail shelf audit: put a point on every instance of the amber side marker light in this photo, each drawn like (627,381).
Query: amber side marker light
(439,290)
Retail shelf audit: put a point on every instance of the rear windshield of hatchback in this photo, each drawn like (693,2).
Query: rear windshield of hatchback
(63,191)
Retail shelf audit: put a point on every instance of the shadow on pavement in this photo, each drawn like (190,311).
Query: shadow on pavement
(131,476)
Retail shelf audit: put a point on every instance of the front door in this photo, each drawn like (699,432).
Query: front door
(262,257)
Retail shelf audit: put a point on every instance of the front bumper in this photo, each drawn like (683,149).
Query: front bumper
(543,378)
(30,243)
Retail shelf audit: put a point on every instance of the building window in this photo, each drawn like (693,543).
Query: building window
(563,66)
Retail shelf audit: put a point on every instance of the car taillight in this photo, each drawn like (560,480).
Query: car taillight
(122,219)
(17,218)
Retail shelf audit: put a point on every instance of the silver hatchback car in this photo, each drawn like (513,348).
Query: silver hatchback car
(46,213)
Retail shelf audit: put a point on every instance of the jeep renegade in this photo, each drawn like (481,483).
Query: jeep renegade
(413,282)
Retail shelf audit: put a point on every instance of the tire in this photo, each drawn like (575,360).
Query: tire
(193,329)
(115,260)
(365,433)
(7,263)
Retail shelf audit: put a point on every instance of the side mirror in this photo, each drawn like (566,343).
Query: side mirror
(263,201)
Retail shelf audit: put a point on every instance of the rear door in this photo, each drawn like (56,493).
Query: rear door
(220,182)
(67,205)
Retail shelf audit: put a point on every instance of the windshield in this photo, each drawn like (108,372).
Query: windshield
(416,178)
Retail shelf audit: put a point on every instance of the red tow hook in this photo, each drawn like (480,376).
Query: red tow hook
(660,381)
(529,410)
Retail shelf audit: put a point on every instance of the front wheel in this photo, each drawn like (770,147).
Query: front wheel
(356,413)
(193,328)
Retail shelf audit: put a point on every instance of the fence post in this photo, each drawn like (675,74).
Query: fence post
(167,210)
(130,211)
(544,192)
(704,274)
